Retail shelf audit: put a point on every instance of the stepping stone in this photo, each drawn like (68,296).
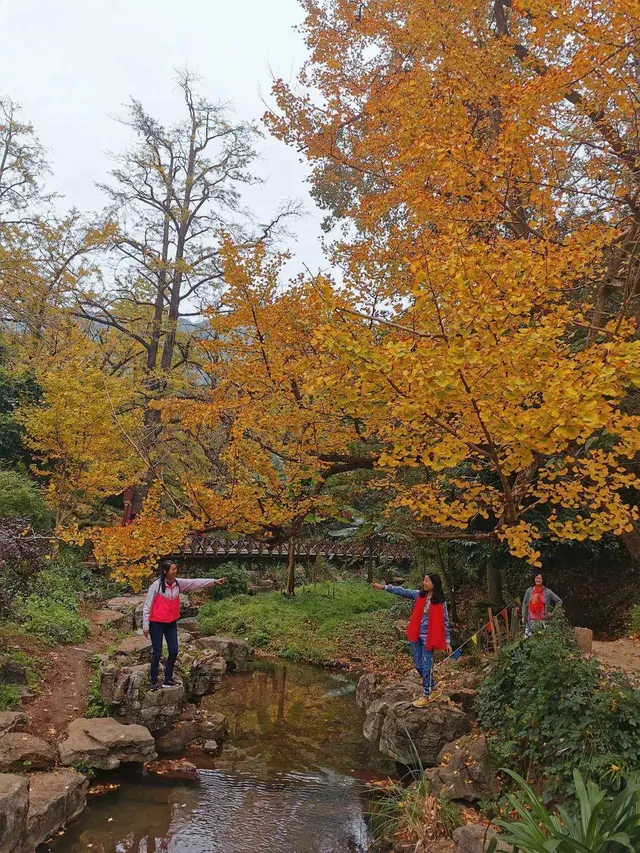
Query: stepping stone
(55,799)
(105,743)
(22,753)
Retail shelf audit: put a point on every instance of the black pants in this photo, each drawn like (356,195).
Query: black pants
(168,630)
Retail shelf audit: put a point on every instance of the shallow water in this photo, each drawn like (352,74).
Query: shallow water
(290,780)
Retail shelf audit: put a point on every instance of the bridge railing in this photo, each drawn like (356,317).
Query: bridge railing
(206,545)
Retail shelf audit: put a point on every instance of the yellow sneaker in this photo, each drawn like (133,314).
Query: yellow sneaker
(422,702)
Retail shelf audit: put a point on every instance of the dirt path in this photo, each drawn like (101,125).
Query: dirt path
(624,654)
(64,689)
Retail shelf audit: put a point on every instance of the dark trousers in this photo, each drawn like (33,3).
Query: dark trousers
(168,630)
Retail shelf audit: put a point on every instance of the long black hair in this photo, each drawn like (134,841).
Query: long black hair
(437,596)
(163,568)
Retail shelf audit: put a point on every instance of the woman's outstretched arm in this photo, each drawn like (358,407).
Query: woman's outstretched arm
(197,584)
(411,594)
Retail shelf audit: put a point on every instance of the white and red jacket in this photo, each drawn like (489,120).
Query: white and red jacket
(165,606)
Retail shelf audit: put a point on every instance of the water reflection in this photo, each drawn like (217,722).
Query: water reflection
(292,717)
(290,779)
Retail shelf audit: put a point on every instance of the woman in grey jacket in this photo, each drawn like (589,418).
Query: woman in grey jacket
(537,605)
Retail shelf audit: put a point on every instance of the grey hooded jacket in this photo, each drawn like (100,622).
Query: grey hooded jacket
(551,600)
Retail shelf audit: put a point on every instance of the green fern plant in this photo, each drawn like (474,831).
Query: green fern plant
(602,823)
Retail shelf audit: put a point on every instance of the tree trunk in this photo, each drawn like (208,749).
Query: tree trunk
(494,583)
(632,541)
(291,568)
(447,582)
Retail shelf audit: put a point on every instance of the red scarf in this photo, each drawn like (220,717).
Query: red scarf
(436,632)
(537,603)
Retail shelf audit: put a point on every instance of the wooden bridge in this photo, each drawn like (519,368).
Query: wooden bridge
(203,545)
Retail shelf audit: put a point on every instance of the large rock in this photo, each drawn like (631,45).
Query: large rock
(12,672)
(465,771)
(415,736)
(463,696)
(125,603)
(136,649)
(55,799)
(14,805)
(377,700)
(367,690)
(196,724)
(237,653)
(157,710)
(105,743)
(126,690)
(112,619)
(191,625)
(205,674)
(12,720)
(584,639)
(21,753)
(475,838)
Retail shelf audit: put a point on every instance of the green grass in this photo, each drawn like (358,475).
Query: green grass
(326,625)
(9,697)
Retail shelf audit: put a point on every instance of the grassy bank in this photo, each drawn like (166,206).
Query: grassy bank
(329,625)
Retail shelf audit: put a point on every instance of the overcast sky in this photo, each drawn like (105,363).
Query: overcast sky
(72,64)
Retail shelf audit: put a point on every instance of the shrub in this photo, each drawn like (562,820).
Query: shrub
(236,581)
(548,709)
(20,497)
(52,621)
(413,814)
(21,555)
(603,824)
(634,621)
(96,706)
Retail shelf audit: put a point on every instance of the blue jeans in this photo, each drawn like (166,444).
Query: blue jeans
(168,630)
(423,661)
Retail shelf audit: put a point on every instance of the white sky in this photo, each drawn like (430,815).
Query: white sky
(72,64)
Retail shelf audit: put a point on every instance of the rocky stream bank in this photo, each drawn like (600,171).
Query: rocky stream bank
(44,782)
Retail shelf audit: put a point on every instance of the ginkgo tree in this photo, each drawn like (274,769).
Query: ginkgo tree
(487,156)
(268,445)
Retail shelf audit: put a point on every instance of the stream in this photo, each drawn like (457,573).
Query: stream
(291,779)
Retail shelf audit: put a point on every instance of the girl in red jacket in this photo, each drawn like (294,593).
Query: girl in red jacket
(428,628)
(161,613)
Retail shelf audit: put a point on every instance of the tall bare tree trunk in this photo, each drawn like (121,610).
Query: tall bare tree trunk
(291,568)
(494,582)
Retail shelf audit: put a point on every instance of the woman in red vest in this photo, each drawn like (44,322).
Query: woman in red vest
(428,628)
(161,613)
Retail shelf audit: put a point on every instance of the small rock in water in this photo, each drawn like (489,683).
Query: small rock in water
(211,747)
(172,771)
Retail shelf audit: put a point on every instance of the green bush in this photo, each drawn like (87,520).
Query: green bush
(96,707)
(602,823)
(52,621)
(20,497)
(634,621)
(550,710)
(235,584)
(9,697)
